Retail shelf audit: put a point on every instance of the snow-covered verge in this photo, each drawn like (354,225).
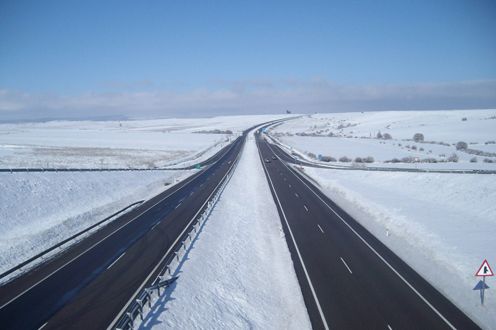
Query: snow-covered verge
(118,144)
(239,273)
(442,225)
(38,210)
(386,138)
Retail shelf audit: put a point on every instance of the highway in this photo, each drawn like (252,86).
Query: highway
(87,285)
(349,279)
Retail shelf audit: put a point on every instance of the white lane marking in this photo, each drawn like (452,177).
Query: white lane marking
(173,244)
(376,253)
(296,194)
(389,327)
(191,193)
(116,260)
(320,228)
(344,262)
(43,326)
(306,208)
(289,185)
(178,205)
(188,180)
(155,225)
(284,179)
(297,249)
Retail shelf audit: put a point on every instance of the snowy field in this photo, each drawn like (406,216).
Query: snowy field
(239,274)
(38,210)
(387,138)
(118,144)
(443,225)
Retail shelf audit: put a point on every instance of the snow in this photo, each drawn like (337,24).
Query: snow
(117,144)
(239,273)
(40,209)
(442,225)
(354,135)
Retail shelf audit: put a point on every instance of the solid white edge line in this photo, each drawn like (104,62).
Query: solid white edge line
(176,188)
(306,209)
(373,250)
(116,260)
(324,321)
(344,262)
(43,326)
(320,228)
(173,244)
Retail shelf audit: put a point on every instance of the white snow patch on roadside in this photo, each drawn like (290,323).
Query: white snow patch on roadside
(40,209)
(239,274)
(442,225)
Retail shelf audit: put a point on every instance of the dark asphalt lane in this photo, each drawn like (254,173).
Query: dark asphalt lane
(87,285)
(349,279)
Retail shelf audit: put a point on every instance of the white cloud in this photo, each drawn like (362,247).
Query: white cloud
(239,97)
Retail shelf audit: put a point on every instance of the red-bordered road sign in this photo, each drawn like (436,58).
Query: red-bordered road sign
(484,269)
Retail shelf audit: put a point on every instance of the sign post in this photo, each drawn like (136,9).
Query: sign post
(484,270)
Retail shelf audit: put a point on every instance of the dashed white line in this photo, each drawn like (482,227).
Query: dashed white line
(116,260)
(389,327)
(43,326)
(306,208)
(178,205)
(290,185)
(376,253)
(155,225)
(191,193)
(344,262)
(296,194)
(320,228)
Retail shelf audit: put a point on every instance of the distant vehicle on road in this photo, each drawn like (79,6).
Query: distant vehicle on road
(267,160)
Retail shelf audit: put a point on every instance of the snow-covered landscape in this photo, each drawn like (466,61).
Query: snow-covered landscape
(40,209)
(446,139)
(441,224)
(118,144)
(239,274)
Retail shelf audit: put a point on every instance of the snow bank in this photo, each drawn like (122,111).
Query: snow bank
(442,225)
(239,274)
(38,210)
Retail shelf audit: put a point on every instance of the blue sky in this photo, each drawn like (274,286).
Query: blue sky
(84,51)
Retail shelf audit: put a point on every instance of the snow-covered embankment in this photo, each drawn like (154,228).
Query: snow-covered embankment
(239,273)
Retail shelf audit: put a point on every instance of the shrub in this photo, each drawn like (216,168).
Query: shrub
(418,137)
(464,119)
(421,149)
(358,160)
(327,159)
(368,159)
(488,160)
(387,136)
(429,160)
(414,147)
(379,135)
(473,160)
(461,145)
(453,158)
(395,160)
(312,155)
(344,159)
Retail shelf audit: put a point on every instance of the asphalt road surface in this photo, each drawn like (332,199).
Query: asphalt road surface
(349,279)
(87,286)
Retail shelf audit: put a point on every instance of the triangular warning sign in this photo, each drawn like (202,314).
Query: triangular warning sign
(485,269)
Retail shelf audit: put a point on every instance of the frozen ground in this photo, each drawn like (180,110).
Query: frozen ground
(38,210)
(239,274)
(118,144)
(443,225)
(355,135)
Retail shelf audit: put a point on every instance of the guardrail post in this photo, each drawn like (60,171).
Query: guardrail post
(140,309)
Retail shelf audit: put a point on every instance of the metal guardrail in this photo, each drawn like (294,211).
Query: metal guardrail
(167,275)
(41,254)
